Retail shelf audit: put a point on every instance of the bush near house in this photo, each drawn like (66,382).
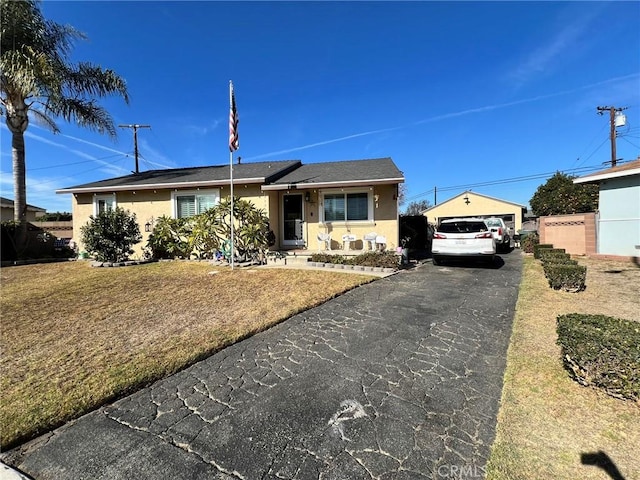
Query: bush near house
(602,351)
(207,235)
(38,245)
(367,259)
(110,235)
(529,242)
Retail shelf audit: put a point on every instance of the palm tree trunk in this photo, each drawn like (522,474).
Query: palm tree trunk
(19,180)
(17,122)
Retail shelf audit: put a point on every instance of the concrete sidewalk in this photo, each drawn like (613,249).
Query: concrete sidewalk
(398,379)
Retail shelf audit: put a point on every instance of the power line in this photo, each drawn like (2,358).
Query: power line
(505,180)
(77,163)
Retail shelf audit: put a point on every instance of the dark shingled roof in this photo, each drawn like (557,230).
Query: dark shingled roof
(260,172)
(8,203)
(343,172)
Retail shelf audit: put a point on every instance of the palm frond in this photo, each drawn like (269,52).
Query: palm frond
(44,120)
(85,113)
(95,81)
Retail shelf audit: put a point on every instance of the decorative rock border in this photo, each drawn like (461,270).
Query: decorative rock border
(355,268)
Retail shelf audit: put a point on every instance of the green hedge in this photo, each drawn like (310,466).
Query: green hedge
(367,259)
(540,246)
(602,351)
(529,242)
(568,277)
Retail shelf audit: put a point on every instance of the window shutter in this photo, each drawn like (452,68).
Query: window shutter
(186,206)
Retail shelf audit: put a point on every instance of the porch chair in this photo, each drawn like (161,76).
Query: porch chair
(381,243)
(324,241)
(369,240)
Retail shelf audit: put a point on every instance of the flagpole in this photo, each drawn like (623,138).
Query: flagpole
(233,113)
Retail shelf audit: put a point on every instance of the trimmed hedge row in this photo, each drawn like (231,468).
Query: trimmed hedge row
(538,247)
(602,351)
(367,259)
(562,272)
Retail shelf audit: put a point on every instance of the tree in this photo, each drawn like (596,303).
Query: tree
(417,207)
(560,196)
(38,81)
(110,235)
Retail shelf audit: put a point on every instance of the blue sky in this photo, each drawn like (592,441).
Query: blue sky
(462,95)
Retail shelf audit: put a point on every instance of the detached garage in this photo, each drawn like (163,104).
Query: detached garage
(470,204)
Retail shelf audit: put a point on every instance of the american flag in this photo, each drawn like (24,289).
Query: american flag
(234,142)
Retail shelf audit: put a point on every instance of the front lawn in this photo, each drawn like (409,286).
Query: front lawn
(549,426)
(75,337)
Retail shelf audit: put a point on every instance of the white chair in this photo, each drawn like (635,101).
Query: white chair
(347,238)
(324,241)
(381,243)
(369,240)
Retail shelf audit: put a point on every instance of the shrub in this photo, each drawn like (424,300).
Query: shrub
(367,259)
(528,242)
(602,351)
(208,234)
(169,238)
(570,278)
(554,257)
(37,243)
(328,258)
(110,234)
(538,247)
(544,252)
(377,259)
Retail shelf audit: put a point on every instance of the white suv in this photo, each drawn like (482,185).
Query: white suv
(463,237)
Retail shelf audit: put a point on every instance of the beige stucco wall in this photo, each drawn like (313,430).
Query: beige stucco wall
(384,223)
(478,205)
(149,205)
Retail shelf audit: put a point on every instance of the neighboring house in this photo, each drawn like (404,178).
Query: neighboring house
(618,217)
(304,203)
(471,204)
(6,211)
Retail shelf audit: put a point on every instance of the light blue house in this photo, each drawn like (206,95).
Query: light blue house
(618,218)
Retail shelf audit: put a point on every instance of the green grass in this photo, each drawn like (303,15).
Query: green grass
(75,337)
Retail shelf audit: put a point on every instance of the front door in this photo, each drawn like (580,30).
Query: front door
(293,220)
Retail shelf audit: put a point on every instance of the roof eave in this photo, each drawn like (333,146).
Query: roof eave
(606,176)
(341,183)
(160,186)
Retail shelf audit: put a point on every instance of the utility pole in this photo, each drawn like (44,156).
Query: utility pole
(135,140)
(612,124)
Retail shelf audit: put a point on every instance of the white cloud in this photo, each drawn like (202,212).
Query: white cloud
(617,80)
(550,55)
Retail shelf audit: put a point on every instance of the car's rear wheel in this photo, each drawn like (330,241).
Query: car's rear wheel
(436,260)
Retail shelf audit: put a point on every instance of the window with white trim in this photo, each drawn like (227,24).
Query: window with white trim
(347,207)
(102,203)
(187,204)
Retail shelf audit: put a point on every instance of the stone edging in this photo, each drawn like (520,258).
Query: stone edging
(356,268)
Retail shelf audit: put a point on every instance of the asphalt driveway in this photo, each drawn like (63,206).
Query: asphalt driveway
(398,379)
